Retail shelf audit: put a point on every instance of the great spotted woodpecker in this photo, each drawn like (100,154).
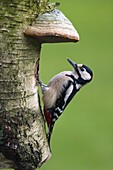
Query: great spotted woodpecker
(61,89)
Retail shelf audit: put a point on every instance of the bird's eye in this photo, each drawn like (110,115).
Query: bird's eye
(81,68)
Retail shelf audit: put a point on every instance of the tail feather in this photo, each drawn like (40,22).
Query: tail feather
(50,131)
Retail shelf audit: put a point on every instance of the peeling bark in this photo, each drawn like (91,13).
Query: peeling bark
(22,131)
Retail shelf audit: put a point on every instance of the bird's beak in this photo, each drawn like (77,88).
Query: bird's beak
(72,63)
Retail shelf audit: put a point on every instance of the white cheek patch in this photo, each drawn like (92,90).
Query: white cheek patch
(85,75)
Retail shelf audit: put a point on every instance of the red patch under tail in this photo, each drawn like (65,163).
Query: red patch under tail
(47,116)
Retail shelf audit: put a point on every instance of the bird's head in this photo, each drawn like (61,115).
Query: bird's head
(82,72)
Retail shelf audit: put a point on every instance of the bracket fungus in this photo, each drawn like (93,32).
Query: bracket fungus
(53,27)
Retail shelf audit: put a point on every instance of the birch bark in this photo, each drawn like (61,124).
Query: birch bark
(23,143)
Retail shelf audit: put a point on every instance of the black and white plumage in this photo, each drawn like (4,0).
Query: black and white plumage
(61,89)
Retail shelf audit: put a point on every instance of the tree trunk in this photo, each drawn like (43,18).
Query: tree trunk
(23,143)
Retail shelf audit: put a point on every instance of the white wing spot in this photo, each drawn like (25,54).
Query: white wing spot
(68,93)
(59,109)
(56,115)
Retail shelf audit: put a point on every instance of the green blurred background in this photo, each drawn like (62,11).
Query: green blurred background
(83,136)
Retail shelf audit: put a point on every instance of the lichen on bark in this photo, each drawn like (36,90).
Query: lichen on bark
(22,130)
